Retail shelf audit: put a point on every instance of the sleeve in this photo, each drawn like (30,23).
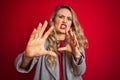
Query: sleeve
(79,69)
(18,62)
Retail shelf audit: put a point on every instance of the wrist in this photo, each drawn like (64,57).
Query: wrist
(77,55)
(76,52)
(25,61)
(77,59)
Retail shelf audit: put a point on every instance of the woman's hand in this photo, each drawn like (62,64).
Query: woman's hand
(35,45)
(72,45)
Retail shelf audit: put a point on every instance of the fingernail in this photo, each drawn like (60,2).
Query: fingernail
(45,21)
(40,24)
(34,29)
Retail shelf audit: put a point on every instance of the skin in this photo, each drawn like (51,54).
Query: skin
(64,16)
(35,45)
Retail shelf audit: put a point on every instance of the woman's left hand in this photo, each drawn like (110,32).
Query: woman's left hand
(72,44)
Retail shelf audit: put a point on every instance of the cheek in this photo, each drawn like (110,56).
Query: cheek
(57,23)
(69,25)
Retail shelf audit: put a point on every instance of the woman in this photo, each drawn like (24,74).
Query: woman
(59,52)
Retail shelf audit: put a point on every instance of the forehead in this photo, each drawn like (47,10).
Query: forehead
(64,12)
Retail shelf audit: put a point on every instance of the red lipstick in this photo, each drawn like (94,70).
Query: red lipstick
(63,26)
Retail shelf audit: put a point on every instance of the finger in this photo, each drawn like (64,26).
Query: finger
(66,32)
(51,53)
(75,40)
(32,36)
(39,27)
(62,49)
(48,32)
(36,33)
(71,33)
(41,31)
(37,30)
(67,35)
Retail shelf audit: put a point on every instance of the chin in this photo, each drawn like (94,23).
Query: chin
(61,32)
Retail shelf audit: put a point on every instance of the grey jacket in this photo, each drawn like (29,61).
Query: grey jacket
(71,70)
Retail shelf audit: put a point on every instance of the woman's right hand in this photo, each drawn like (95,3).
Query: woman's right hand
(35,45)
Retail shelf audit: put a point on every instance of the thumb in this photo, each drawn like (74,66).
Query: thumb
(51,53)
(62,49)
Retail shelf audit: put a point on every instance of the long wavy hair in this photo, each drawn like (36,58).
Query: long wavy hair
(76,28)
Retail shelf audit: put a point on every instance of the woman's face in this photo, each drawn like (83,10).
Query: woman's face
(63,21)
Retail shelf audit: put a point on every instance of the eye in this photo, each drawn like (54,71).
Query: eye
(69,19)
(61,16)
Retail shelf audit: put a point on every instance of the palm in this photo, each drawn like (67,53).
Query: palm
(35,46)
(72,42)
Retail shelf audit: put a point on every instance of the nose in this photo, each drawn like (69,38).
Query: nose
(64,20)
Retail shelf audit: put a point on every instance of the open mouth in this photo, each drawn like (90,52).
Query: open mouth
(63,26)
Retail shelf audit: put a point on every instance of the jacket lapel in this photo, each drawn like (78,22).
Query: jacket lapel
(53,72)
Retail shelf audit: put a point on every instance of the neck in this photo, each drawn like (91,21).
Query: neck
(60,36)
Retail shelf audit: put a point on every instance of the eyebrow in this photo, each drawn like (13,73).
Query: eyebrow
(64,15)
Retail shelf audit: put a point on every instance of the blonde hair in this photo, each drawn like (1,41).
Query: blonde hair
(76,28)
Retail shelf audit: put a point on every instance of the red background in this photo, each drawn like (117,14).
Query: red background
(100,20)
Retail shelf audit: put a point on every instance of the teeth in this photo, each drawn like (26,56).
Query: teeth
(63,26)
